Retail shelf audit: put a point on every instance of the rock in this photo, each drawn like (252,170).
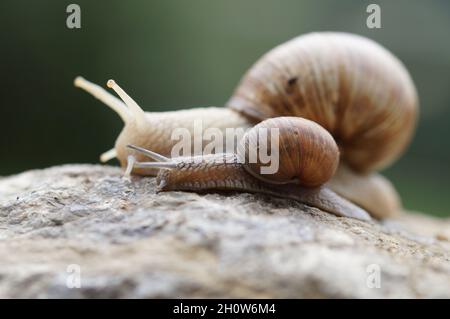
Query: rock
(84,224)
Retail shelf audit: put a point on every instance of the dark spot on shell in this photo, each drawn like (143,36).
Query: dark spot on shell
(291,85)
(292,81)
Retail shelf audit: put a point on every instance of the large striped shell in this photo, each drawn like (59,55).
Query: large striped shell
(352,86)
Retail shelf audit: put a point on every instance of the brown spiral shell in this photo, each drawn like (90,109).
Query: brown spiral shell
(307,153)
(350,85)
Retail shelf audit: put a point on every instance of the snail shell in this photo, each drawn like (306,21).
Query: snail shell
(352,86)
(307,154)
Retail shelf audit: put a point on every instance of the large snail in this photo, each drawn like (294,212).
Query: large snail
(349,85)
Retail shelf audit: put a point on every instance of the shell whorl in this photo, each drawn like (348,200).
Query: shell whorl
(350,85)
(306,153)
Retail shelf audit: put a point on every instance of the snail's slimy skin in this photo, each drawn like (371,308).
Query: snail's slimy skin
(224,172)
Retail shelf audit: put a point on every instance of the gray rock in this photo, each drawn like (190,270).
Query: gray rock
(127,241)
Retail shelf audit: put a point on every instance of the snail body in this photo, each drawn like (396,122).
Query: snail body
(351,86)
(230,175)
(300,178)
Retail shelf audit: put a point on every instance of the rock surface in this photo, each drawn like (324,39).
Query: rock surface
(127,241)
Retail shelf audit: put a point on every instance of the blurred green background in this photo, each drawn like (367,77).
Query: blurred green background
(176,54)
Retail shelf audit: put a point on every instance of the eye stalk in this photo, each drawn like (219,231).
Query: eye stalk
(138,114)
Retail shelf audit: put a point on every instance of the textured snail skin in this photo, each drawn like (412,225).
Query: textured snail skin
(348,84)
(224,172)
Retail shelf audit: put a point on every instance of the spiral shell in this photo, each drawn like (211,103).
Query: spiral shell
(306,152)
(350,85)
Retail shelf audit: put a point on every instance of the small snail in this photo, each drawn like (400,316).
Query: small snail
(351,86)
(308,158)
